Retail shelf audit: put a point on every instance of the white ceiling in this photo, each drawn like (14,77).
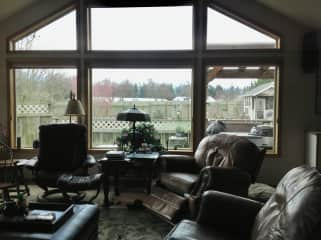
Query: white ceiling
(307,12)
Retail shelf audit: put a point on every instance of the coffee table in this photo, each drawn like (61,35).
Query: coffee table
(82,224)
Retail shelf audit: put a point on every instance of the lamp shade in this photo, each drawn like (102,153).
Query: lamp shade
(74,108)
(133,115)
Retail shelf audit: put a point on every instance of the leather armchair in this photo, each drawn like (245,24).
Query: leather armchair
(293,212)
(221,162)
(240,158)
(63,160)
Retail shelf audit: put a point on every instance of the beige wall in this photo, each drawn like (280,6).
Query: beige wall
(297,90)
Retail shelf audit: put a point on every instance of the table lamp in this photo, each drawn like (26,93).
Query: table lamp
(74,107)
(133,115)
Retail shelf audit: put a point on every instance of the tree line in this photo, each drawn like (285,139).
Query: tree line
(149,89)
(48,85)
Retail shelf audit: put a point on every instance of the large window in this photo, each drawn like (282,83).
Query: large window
(163,93)
(242,101)
(141,28)
(153,57)
(41,97)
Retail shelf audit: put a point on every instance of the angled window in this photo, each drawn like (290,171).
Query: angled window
(41,97)
(165,94)
(224,32)
(141,28)
(59,34)
(245,100)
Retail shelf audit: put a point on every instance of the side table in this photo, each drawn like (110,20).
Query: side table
(145,161)
(109,167)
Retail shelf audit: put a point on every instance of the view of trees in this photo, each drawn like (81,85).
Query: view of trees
(43,86)
(151,89)
(218,92)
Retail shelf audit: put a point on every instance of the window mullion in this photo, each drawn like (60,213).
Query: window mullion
(199,40)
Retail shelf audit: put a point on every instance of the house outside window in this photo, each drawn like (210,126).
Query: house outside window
(245,99)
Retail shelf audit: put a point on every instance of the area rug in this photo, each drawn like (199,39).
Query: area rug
(118,222)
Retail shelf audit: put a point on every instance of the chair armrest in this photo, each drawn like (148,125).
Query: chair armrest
(178,163)
(90,161)
(230,180)
(228,212)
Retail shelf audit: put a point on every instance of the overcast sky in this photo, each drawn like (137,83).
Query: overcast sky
(147,29)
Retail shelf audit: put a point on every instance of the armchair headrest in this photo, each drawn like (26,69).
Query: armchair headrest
(62,146)
(224,150)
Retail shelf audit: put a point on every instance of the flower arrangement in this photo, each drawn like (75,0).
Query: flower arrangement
(146,138)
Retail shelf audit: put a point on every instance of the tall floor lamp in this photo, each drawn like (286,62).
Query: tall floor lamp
(74,107)
(133,115)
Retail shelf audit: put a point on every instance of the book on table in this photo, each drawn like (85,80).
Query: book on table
(115,155)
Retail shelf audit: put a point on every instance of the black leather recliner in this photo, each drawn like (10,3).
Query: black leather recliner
(63,160)
(293,212)
(221,162)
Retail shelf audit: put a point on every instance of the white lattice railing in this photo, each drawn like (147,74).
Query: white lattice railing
(32,109)
(106,125)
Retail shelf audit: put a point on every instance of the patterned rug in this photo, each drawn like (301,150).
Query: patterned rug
(121,223)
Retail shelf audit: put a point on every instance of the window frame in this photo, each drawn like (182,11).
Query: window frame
(248,22)
(198,58)
(276,116)
(12,91)
(132,65)
(15,37)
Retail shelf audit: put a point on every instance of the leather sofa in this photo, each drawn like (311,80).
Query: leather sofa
(293,212)
(222,162)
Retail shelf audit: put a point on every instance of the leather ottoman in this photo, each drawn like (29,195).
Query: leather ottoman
(83,224)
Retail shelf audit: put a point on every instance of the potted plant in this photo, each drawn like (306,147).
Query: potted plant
(146,138)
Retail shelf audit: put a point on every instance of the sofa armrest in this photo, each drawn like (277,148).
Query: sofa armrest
(178,163)
(228,212)
(229,180)
(90,161)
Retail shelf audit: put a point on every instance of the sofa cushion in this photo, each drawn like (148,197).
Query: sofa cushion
(179,183)
(294,211)
(189,230)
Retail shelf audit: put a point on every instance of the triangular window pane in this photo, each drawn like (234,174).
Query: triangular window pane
(224,32)
(57,35)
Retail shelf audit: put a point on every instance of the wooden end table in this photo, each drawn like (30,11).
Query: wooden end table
(145,161)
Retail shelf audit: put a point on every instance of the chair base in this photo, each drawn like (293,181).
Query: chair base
(65,197)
